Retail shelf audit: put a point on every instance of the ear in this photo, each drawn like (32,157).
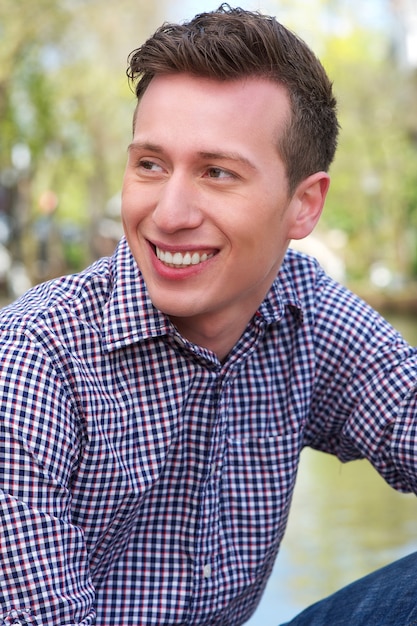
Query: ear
(307,204)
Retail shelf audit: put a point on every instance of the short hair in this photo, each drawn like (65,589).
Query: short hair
(232,43)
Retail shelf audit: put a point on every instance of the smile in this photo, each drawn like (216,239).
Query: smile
(182,259)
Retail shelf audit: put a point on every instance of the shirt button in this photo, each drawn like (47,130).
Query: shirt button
(207,571)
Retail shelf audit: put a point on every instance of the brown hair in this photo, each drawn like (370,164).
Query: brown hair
(232,43)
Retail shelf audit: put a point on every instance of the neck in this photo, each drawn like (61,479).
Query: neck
(217,336)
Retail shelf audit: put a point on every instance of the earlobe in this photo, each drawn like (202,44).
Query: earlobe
(308,202)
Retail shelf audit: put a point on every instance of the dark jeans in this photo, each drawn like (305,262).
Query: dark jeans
(387,597)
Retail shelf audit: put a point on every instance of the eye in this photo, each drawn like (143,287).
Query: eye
(218,172)
(150,166)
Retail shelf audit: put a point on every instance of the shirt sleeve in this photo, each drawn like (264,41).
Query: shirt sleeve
(365,402)
(44,575)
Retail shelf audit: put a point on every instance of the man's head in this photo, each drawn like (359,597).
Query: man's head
(230,44)
(234,131)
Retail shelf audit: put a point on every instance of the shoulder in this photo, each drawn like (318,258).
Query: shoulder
(303,275)
(321,296)
(80,295)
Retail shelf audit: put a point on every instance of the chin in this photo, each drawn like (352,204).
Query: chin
(173,307)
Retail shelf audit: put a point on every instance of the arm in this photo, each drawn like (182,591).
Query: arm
(44,577)
(365,396)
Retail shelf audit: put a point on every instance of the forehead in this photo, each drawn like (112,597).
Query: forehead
(252,101)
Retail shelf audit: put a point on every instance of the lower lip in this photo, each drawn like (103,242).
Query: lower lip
(177,273)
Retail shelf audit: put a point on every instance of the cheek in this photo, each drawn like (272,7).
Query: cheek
(127,219)
(268,241)
(265,231)
(132,208)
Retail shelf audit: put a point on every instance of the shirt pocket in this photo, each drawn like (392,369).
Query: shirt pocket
(260,482)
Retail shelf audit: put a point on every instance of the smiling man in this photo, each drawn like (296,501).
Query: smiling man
(207,208)
(154,406)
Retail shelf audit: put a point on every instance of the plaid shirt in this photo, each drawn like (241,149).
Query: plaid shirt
(144,482)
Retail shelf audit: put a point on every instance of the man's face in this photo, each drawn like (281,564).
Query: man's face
(205,205)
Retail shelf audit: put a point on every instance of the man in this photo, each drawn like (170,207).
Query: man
(155,405)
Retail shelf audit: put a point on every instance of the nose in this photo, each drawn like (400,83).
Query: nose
(177,206)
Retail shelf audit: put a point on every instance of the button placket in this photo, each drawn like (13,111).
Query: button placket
(207,570)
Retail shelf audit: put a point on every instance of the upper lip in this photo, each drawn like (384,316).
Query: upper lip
(183,248)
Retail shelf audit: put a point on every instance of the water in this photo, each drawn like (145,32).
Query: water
(345,521)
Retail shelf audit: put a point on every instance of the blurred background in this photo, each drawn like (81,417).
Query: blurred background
(65,122)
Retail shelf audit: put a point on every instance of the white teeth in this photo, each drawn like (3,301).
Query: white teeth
(178,259)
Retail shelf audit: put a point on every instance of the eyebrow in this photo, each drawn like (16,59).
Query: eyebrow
(227,156)
(203,154)
(144,145)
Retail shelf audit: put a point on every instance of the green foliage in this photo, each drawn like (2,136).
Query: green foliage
(65,98)
(373,196)
(64,95)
